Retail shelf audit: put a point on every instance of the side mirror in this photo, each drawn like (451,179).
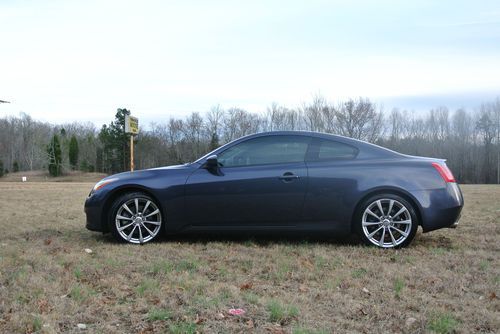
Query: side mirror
(212,165)
(212,162)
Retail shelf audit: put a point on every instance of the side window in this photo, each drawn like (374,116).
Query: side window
(332,150)
(265,150)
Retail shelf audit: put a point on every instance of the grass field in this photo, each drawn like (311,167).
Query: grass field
(447,281)
(43,176)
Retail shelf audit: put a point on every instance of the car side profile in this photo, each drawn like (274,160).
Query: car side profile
(282,181)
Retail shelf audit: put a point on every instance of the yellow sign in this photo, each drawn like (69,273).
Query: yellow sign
(131,125)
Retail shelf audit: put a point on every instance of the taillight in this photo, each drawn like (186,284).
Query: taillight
(445,172)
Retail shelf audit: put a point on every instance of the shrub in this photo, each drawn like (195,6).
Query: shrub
(15,167)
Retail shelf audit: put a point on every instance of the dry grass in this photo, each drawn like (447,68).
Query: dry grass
(448,280)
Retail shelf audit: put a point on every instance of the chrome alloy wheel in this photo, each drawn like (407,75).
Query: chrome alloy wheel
(138,220)
(386,223)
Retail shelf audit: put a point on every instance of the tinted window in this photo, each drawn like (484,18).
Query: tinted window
(329,150)
(265,150)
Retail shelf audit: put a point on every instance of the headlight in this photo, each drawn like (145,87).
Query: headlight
(103,182)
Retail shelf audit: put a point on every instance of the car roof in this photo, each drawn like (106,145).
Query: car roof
(366,150)
(300,133)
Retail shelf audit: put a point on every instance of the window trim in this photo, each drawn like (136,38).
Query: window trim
(309,140)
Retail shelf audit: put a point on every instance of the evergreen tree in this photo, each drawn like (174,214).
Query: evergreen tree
(15,167)
(55,156)
(73,152)
(1,168)
(98,160)
(115,142)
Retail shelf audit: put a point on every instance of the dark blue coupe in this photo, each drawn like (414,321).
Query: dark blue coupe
(282,181)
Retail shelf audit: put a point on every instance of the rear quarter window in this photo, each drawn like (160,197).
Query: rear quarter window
(333,150)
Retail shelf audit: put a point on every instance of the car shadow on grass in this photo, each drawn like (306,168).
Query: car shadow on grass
(268,239)
(250,238)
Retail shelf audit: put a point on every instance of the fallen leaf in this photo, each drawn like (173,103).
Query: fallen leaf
(410,321)
(246,286)
(148,329)
(275,330)
(43,306)
(88,250)
(198,320)
(308,264)
(47,241)
(303,288)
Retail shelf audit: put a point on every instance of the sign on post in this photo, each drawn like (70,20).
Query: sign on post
(132,128)
(131,125)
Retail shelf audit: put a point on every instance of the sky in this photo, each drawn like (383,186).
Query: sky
(64,61)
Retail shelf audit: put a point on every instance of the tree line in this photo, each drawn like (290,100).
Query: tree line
(468,139)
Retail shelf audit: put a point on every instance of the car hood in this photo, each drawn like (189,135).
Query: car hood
(145,173)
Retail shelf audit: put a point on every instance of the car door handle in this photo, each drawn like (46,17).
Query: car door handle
(289,176)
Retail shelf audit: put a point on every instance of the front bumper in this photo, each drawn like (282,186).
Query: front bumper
(93,211)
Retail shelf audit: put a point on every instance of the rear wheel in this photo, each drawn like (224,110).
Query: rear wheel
(135,218)
(387,221)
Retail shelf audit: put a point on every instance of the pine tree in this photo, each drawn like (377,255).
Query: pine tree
(73,152)
(1,168)
(55,156)
(115,144)
(15,167)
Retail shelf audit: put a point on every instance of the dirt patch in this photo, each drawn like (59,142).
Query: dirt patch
(447,281)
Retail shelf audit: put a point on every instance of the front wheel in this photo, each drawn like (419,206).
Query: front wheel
(135,218)
(387,221)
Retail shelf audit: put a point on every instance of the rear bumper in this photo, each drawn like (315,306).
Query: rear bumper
(440,208)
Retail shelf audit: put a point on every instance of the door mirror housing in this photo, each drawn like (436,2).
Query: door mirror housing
(211,162)
(212,165)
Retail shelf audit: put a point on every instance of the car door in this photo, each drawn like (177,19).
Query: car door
(333,174)
(262,182)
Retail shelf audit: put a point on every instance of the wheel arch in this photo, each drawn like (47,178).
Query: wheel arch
(120,192)
(387,190)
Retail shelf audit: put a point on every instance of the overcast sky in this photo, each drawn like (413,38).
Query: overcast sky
(80,60)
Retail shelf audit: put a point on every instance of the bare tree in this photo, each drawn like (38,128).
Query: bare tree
(359,119)
(468,139)
(313,113)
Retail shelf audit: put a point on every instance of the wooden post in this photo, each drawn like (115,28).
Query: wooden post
(131,152)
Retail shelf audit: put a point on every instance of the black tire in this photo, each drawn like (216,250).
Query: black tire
(140,228)
(393,232)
